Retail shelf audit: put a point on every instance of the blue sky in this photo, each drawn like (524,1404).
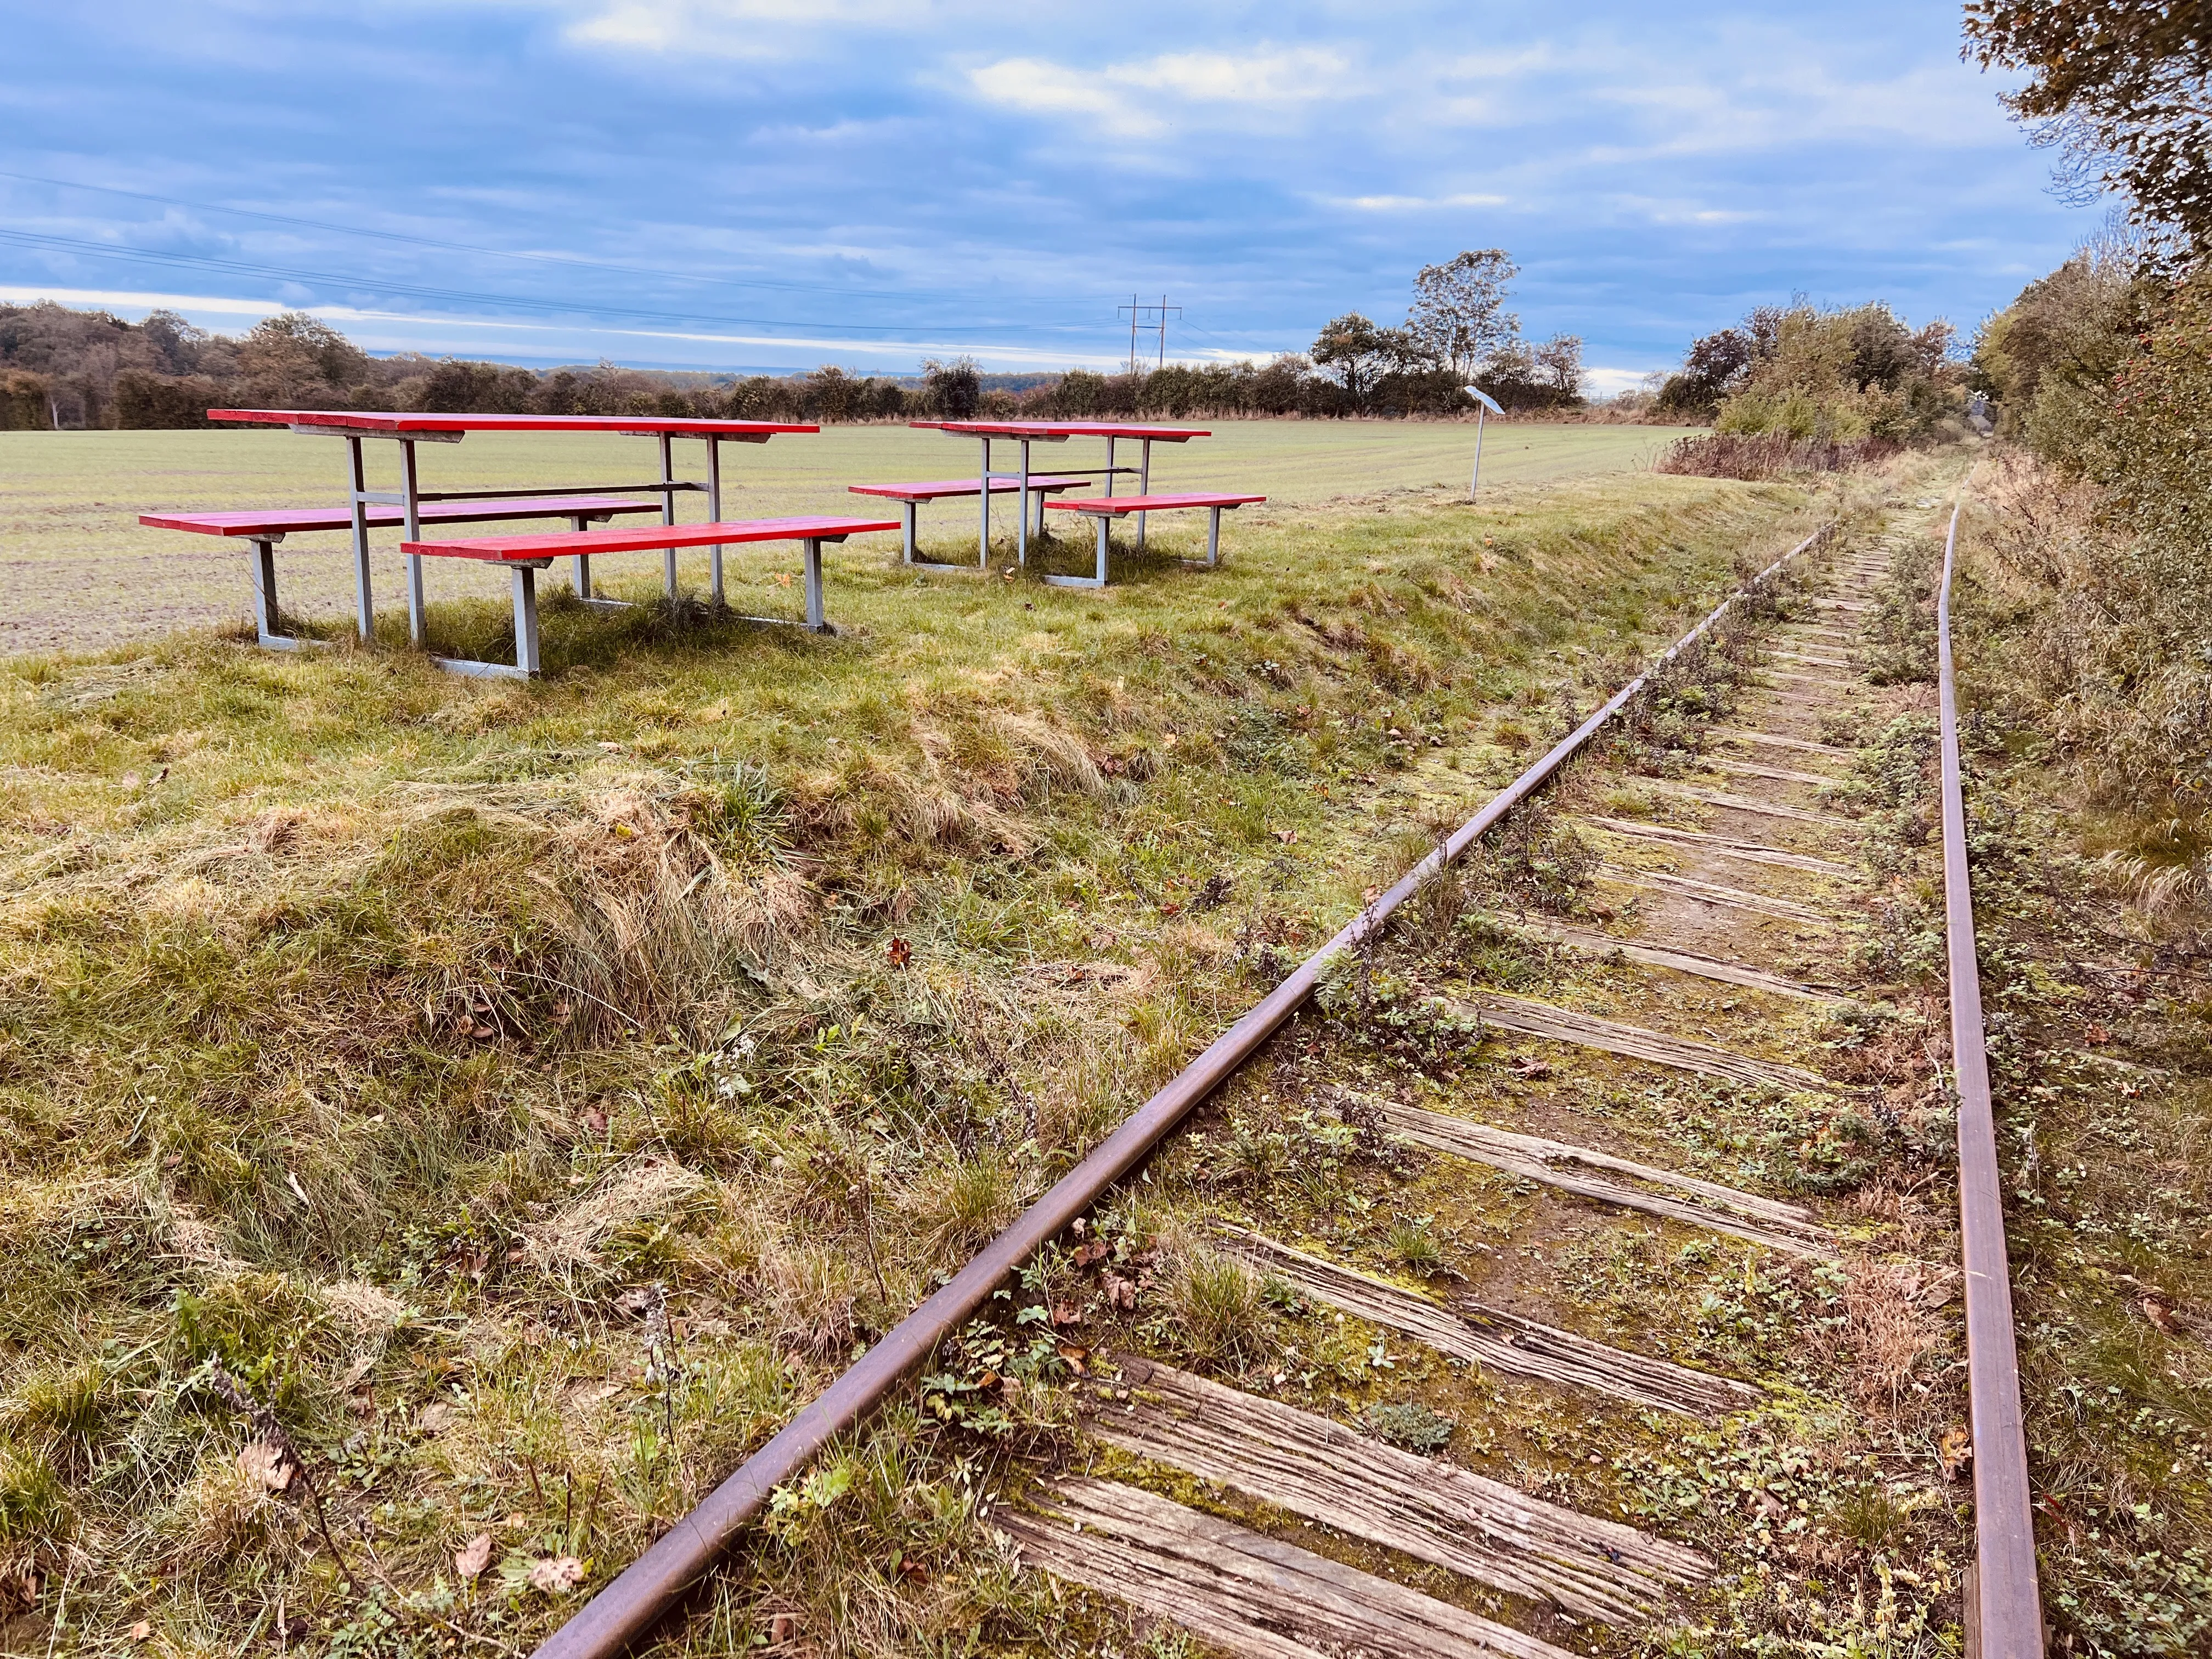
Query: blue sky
(783,183)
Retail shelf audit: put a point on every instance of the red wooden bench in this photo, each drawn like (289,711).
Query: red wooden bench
(1104,509)
(265,527)
(528,555)
(909,496)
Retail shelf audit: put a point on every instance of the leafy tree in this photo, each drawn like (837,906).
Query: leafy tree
(955,389)
(2121,87)
(23,401)
(1458,316)
(1357,353)
(292,360)
(1828,376)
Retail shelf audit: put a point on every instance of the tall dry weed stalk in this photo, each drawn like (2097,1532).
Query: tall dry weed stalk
(2116,640)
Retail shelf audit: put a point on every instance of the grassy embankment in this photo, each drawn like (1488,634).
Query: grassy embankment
(86,574)
(533,1092)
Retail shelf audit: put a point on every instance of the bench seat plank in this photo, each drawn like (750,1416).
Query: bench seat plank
(1120,506)
(934,489)
(533,548)
(289,520)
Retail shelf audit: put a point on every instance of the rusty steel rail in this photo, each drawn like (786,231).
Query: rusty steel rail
(2004,1608)
(650,1586)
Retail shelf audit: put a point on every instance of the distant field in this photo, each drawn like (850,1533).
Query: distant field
(81,572)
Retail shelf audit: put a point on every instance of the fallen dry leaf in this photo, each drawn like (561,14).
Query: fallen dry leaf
(782,1628)
(263,1462)
(1956,1448)
(556,1574)
(473,1557)
(141,1631)
(2155,1311)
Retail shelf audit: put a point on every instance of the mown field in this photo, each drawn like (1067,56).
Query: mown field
(533,1093)
(82,572)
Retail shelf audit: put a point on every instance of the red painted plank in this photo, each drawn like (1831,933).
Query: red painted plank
(1048,429)
(284,520)
(343,420)
(639,538)
(938,489)
(1120,507)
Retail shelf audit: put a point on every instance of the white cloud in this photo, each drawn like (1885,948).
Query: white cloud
(1611,382)
(1413,203)
(736,28)
(1143,98)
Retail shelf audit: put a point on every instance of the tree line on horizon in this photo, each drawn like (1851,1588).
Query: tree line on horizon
(63,367)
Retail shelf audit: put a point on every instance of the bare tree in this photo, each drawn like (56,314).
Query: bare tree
(1558,363)
(1458,315)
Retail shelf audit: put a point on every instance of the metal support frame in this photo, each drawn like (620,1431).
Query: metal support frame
(668,504)
(418,617)
(529,658)
(983,478)
(1144,488)
(1021,510)
(1102,519)
(584,594)
(909,514)
(1213,559)
(268,619)
(815,618)
(713,513)
(360,538)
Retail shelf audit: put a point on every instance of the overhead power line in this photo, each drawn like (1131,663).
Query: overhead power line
(569,261)
(124,253)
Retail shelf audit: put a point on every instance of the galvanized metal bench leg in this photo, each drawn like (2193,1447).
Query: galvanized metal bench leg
(417,612)
(1021,509)
(264,591)
(983,541)
(815,618)
(360,542)
(1144,488)
(668,506)
(1103,522)
(525,621)
(714,512)
(1213,539)
(907,513)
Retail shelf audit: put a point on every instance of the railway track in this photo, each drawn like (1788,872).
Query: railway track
(1411,1475)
